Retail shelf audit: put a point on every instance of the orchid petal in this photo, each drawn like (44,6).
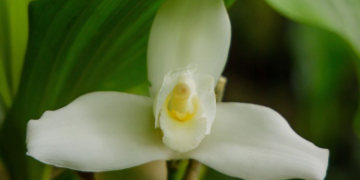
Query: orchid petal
(256,143)
(204,86)
(188,31)
(99,131)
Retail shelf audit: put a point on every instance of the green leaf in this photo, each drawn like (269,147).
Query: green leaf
(229,3)
(322,71)
(75,47)
(341,17)
(13,40)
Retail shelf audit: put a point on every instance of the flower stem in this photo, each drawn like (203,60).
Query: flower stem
(86,175)
(220,88)
(192,170)
(47,172)
(172,167)
(194,166)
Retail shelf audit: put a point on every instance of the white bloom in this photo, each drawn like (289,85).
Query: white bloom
(188,47)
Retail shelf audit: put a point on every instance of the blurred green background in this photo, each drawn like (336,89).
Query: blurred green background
(306,69)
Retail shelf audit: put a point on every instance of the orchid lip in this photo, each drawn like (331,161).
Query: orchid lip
(183,110)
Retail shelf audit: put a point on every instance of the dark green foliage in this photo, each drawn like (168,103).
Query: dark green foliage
(75,47)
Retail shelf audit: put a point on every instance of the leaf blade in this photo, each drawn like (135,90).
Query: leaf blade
(76,47)
(341,17)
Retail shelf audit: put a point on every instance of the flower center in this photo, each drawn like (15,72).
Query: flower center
(182,102)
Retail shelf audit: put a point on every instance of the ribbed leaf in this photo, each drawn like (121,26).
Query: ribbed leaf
(75,47)
(13,39)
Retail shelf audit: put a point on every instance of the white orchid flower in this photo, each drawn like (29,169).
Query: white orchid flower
(188,48)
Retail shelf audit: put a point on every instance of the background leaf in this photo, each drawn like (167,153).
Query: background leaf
(341,17)
(325,84)
(229,3)
(322,70)
(13,40)
(75,47)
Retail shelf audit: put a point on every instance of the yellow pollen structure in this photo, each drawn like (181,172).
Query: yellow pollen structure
(179,103)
